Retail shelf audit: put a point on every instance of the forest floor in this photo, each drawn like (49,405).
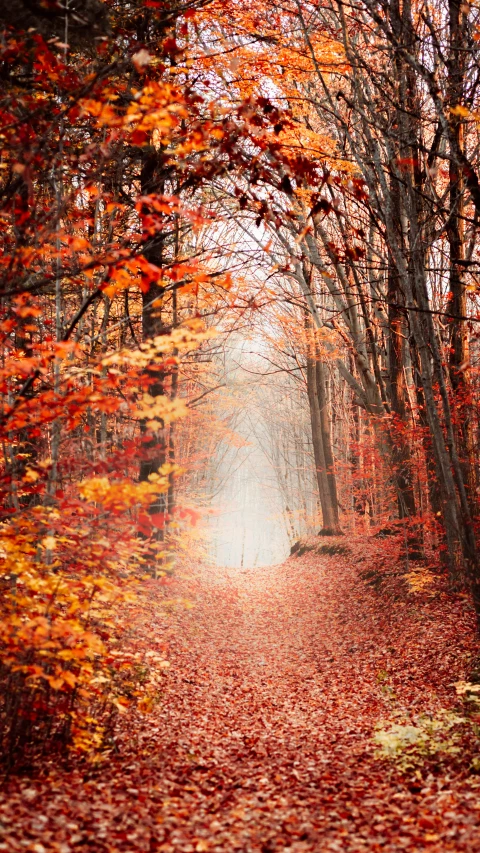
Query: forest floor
(263,738)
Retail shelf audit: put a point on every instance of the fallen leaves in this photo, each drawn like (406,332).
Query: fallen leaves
(262,738)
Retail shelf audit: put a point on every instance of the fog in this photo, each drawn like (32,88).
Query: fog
(247,526)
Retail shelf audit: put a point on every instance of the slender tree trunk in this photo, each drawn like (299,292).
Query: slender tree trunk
(154,451)
(402,461)
(325,429)
(173,394)
(434,495)
(459,349)
(330,524)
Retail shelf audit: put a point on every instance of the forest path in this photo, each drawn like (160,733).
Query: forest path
(293,669)
(263,738)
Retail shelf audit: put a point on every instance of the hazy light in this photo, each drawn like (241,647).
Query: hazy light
(248,528)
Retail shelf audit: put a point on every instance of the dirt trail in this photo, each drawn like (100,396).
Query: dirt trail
(262,741)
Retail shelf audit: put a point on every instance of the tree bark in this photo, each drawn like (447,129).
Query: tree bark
(459,348)
(154,450)
(325,430)
(329,506)
(401,456)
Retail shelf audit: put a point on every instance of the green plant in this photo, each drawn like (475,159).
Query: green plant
(409,745)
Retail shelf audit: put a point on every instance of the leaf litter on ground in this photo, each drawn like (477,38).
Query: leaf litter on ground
(271,689)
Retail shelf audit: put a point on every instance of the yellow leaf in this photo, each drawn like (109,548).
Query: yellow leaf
(460,111)
(30,475)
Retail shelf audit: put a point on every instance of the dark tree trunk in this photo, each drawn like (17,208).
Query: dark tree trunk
(459,349)
(154,451)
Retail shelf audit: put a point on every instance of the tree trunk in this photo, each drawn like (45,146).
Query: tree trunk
(329,508)
(325,430)
(154,451)
(401,451)
(459,349)
(402,461)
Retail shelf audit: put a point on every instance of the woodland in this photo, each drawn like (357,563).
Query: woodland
(239,418)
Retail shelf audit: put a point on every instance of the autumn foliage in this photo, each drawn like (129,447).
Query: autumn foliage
(214,214)
(79,531)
